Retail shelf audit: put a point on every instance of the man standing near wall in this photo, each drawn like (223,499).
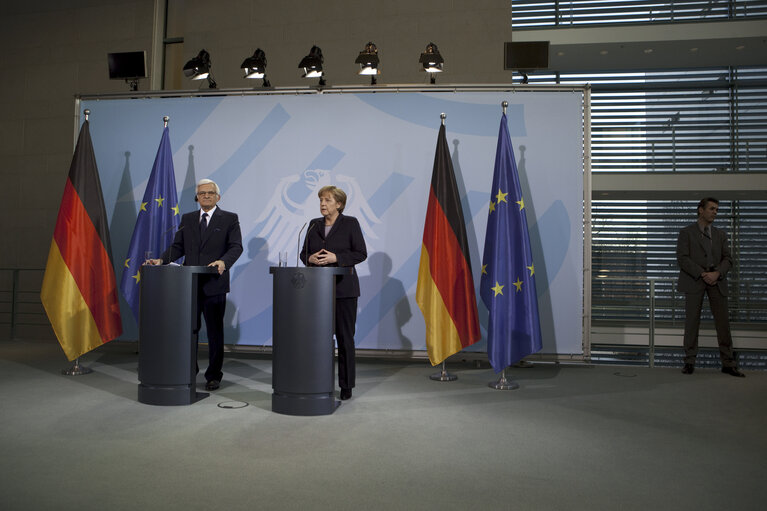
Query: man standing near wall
(703,255)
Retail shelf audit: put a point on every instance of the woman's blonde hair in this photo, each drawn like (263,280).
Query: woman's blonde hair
(338,195)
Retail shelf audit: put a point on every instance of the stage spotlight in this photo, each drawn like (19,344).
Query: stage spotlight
(368,61)
(312,65)
(198,68)
(432,61)
(255,66)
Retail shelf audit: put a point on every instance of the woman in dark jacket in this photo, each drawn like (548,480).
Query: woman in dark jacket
(336,240)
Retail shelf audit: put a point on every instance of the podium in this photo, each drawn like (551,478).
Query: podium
(167,341)
(302,339)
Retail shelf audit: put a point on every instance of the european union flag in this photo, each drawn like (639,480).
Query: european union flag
(507,285)
(157,222)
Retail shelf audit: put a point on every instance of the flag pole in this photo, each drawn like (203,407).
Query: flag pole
(443,375)
(165,120)
(77,369)
(503,383)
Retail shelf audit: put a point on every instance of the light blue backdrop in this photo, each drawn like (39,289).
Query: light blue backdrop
(270,154)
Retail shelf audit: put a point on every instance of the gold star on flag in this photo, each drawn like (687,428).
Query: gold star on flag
(159,201)
(532,269)
(175,210)
(127,262)
(137,276)
(521,203)
(143,206)
(498,289)
(518,284)
(501,196)
(484,269)
(492,206)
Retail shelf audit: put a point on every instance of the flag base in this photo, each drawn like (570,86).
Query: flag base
(503,383)
(443,375)
(76,369)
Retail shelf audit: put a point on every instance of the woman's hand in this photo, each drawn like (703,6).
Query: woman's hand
(323,258)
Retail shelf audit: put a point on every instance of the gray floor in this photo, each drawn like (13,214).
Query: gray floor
(572,437)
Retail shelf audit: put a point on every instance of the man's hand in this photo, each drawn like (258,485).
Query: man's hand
(710,277)
(153,262)
(220,266)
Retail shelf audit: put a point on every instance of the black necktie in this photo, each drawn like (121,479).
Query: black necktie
(203,222)
(708,243)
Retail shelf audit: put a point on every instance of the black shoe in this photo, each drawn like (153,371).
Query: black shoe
(733,371)
(688,369)
(346,394)
(212,385)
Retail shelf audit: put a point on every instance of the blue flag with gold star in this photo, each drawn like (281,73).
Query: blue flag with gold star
(156,224)
(507,285)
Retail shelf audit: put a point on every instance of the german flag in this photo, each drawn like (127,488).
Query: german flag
(79,289)
(445,291)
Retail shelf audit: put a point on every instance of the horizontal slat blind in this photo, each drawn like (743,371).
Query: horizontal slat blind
(532,14)
(711,120)
(636,240)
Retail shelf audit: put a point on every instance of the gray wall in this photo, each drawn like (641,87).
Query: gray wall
(469,34)
(52,50)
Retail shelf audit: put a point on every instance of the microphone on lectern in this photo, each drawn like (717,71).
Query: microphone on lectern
(306,254)
(298,245)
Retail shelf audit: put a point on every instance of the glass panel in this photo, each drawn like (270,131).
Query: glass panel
(533,14)
(633,241)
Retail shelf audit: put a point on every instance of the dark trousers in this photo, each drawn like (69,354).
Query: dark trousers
(719,309)
(346,319)
(213,309)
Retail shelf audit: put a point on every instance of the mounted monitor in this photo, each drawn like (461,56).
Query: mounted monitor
(128,66)
(526,56)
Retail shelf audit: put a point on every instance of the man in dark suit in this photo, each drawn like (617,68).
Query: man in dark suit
(703,254)
(210,236)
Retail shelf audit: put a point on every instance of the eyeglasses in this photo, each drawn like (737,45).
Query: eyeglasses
(206,194)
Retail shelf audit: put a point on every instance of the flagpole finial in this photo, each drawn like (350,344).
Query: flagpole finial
(442,116)
(504,104)
(165,120)
(87,112)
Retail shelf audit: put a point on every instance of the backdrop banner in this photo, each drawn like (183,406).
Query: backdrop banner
(270,154)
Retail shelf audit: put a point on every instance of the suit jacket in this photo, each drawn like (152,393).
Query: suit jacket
(346,242)
(691,257)
(222,240)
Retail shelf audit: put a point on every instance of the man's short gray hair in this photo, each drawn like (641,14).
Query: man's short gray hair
(208,182)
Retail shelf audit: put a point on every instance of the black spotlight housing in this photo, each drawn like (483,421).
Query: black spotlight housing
(312,65)
(198,68)
(255,67)
(368,61)
(432,61)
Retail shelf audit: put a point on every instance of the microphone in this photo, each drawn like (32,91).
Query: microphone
(166,231)
(195,198)
(306,254)
(298,244)
(170,248)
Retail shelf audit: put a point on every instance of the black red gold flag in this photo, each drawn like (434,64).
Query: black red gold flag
(79,291)
(445,291)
